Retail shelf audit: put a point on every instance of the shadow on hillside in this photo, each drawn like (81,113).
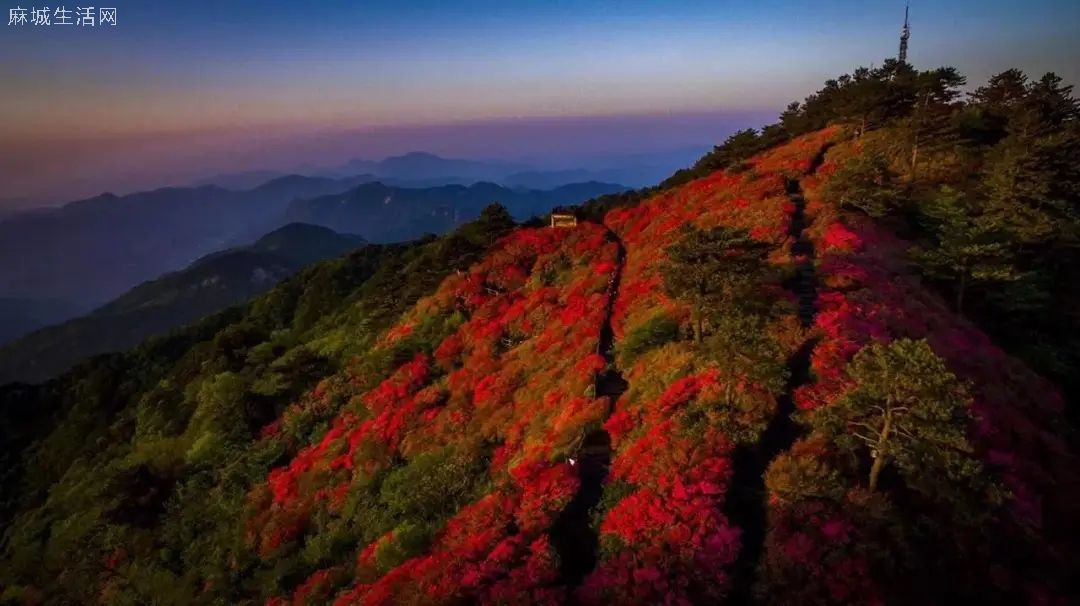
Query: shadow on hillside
(572,535)
(746,505)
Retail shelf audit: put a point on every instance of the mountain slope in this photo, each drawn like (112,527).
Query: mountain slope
(434,427)
(93,250)
(869,296)
(21,316)
(383,213)
(207,286)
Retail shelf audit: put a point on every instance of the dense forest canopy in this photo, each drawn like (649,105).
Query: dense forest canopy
(986,185)
(817,360)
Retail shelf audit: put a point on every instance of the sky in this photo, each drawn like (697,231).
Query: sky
(177,90)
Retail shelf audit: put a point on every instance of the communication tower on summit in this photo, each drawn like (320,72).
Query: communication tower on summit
(905,33)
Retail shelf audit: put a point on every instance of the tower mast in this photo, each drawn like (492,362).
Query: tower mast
(905,33)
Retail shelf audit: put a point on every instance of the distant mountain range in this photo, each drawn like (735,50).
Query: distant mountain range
(96,247)
(240,180)
(92,250)
(382,213)
(414,169)
(211,284)
(423,169)
(425,166)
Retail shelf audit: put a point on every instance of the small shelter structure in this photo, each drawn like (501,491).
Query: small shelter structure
(563,217)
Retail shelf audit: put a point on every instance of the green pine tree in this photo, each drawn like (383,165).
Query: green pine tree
(930,125)
(709,268)
(969,248)
(866,183)
(906,410)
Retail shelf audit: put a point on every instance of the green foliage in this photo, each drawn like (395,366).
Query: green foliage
(740,345)
(988,186)
(658,330)
(613,492)
(908,410)
(969,248)
(866,183)
(431,485)
(793,478)
(893,95)
(409,540)
(996,210)
(930,124)
(712,268)
(1031,187)
(147,457)
(736,148)
(595,209)
(132,470)
(220,404)
(207,286)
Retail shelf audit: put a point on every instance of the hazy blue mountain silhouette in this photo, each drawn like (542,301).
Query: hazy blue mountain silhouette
(92,250)
(426,166)
(384,213)
(208,285)
(21,316)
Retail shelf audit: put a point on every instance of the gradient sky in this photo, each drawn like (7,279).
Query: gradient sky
(179,89)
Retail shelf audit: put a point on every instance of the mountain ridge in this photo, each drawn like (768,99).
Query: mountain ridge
(800,404)
(428,169)
(207,286)
(406,213)
(541,288)
(94,249)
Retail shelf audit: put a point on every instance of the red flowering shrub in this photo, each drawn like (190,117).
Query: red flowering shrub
(838,238)
(317,588)
(545,491)
(516,371)
(867,294)
(869,298)
(816,555)
(663,549)
(508,388)
(793,159)
(668,542)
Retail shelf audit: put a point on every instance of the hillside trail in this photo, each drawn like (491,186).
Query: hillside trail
(572,535)
(746,504)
